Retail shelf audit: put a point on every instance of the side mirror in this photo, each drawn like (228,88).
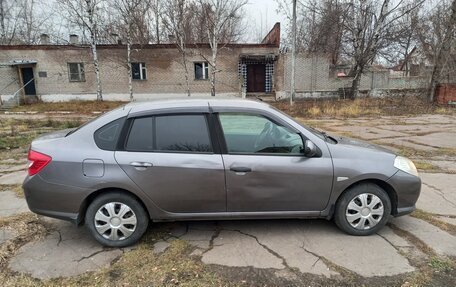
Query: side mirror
(310,149)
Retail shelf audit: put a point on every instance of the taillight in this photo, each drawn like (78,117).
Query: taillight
(37,161)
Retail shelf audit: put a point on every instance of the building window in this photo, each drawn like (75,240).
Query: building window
(76,72)
(201,71)
(138,71)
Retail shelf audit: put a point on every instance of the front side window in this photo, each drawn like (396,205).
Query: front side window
(138,71)
(76,72)
(201,71)
(173,133)
(252,134)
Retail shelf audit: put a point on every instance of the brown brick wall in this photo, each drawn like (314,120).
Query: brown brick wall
(445,94)
(165,72)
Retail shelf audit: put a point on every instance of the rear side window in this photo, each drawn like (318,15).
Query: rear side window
(141,135)
(106,136)
(182,133)
(173,133)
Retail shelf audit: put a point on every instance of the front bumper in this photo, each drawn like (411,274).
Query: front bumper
(408,189)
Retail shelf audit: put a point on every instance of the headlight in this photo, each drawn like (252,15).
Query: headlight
(405,165)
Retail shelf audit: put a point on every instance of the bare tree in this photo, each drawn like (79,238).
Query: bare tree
(3,20)
(88,13)
(22,21)
(319,26)
(445,51)
(175,19)
(368,27)
(130,15)
(220,17)
(156,11)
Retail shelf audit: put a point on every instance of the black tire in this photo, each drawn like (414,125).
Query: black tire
(342,204)
(142,218)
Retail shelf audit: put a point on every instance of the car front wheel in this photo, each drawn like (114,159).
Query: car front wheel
(116,219)
(363,209)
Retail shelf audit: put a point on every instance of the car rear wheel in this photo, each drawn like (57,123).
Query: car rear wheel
(363,209)
(116,219)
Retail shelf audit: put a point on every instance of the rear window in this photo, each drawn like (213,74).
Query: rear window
(173,133)
(106,136)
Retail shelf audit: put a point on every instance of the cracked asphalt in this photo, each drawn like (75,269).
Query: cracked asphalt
(287,249)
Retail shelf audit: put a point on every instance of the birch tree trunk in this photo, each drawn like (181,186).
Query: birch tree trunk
(214,47)
(93,45)
(130,84)
(184,63)
(213,71)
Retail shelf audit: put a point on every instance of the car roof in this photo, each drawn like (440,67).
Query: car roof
(193,103)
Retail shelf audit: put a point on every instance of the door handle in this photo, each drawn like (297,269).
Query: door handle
(240,169)
(140,164)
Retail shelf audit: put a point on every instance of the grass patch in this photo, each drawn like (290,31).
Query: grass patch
(11,142)
(441,264)
(426,166)
(414,153)
(82,107)
(19,133)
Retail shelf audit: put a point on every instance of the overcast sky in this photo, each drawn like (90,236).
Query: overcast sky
(264,15)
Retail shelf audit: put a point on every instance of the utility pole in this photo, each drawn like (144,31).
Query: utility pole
(293,53)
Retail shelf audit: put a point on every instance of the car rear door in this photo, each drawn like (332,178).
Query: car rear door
(266,170)
(173,159)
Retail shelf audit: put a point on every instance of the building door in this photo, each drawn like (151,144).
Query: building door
(27,76)
(256,75)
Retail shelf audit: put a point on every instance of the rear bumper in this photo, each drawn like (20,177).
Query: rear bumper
(53,200)
(71,217)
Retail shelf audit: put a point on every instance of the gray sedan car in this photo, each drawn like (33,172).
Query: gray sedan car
(212,159)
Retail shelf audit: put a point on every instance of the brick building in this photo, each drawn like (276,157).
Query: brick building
(64,72)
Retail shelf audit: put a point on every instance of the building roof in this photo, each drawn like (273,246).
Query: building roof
(135,46)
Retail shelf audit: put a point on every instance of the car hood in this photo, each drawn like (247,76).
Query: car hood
(352,143)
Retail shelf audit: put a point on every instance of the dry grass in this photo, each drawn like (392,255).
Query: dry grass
(81,107)
(16,133)
(394,106)
(138,267)
(27,226)
(304,108)
(430,218)
(435,270)
(426,166)
(17,189)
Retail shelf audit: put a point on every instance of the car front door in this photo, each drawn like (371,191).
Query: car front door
(266,169)
(172,159)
